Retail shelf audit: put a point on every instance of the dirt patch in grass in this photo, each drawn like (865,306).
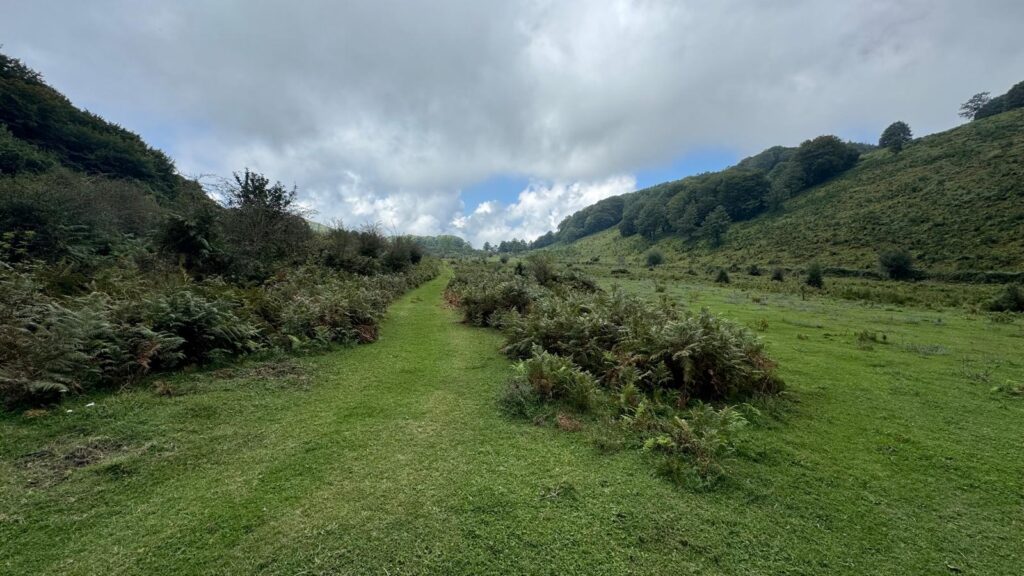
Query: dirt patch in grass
(54,464)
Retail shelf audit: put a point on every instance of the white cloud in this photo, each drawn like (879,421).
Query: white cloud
(539,208)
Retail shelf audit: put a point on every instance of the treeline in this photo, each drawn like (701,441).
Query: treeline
(703,206)
(444,245)
(40,128)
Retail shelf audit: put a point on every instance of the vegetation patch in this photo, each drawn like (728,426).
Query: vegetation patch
(650,370)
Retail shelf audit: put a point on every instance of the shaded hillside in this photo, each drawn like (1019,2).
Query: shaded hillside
(955,200)
(41,128)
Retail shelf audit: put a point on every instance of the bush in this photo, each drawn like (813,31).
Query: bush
(48,347)
(753,270)
(704,435)
(1010,300)
(778,275)
(208,328)
(655,258)
(897,264)
(552,377)
(815,276)
(722,277)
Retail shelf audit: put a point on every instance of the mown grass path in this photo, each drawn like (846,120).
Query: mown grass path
(392,458)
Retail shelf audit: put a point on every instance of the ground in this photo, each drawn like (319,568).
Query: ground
(899,452)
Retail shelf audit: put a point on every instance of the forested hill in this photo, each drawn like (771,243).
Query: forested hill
(41,129)
(954,200)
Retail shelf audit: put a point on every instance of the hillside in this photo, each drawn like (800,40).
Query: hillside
(955,200)
(41,128)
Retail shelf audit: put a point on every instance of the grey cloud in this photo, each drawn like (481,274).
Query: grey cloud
(414,101)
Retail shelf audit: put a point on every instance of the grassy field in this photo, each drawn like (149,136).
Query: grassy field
(898,455)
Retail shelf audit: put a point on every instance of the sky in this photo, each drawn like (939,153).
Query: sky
(494,120)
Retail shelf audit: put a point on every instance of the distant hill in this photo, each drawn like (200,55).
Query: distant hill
(955,200)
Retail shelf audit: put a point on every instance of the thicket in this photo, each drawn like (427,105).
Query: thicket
(102,281)
(656,369)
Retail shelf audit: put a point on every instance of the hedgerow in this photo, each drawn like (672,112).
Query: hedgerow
(51,345)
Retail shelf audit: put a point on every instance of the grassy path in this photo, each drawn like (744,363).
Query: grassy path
(393,459)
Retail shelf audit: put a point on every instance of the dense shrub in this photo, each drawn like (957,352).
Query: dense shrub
(722,277)
(587,348)
(51,345)
(815,276)
(704,434)
(208,328)
(897,264)
(1011,299)
(778,275)
(552,377)
(692,355)
(655,258)
(484,295)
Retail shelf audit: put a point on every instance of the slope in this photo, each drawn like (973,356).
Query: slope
(955,200)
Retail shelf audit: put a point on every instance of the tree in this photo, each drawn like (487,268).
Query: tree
(994,106)
(825,157)
(627,226)
(897,263)
(787,179)
(487,247)
(652,221)
(262,225)
(815,276)
(654,258)
(969,109)
(715,225)
(896,136)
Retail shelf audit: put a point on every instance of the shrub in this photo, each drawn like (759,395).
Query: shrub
(897,264)
(48,347)
(1011,299)
(722,277)
(704,436)
(778,275)
(753,270)
(655,258)
(552,377)
(815,276)
(542,267)
(692,356)
(208,328)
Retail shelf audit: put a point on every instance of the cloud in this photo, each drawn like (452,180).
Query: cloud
(539,208)
(387,109)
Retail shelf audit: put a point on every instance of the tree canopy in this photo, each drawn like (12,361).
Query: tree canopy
(896,136)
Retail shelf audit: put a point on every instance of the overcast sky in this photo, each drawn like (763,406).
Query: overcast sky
(497,119)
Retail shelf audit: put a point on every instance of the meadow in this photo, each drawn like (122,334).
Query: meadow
(895,449)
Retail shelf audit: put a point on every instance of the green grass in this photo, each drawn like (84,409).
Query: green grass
(392,458)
